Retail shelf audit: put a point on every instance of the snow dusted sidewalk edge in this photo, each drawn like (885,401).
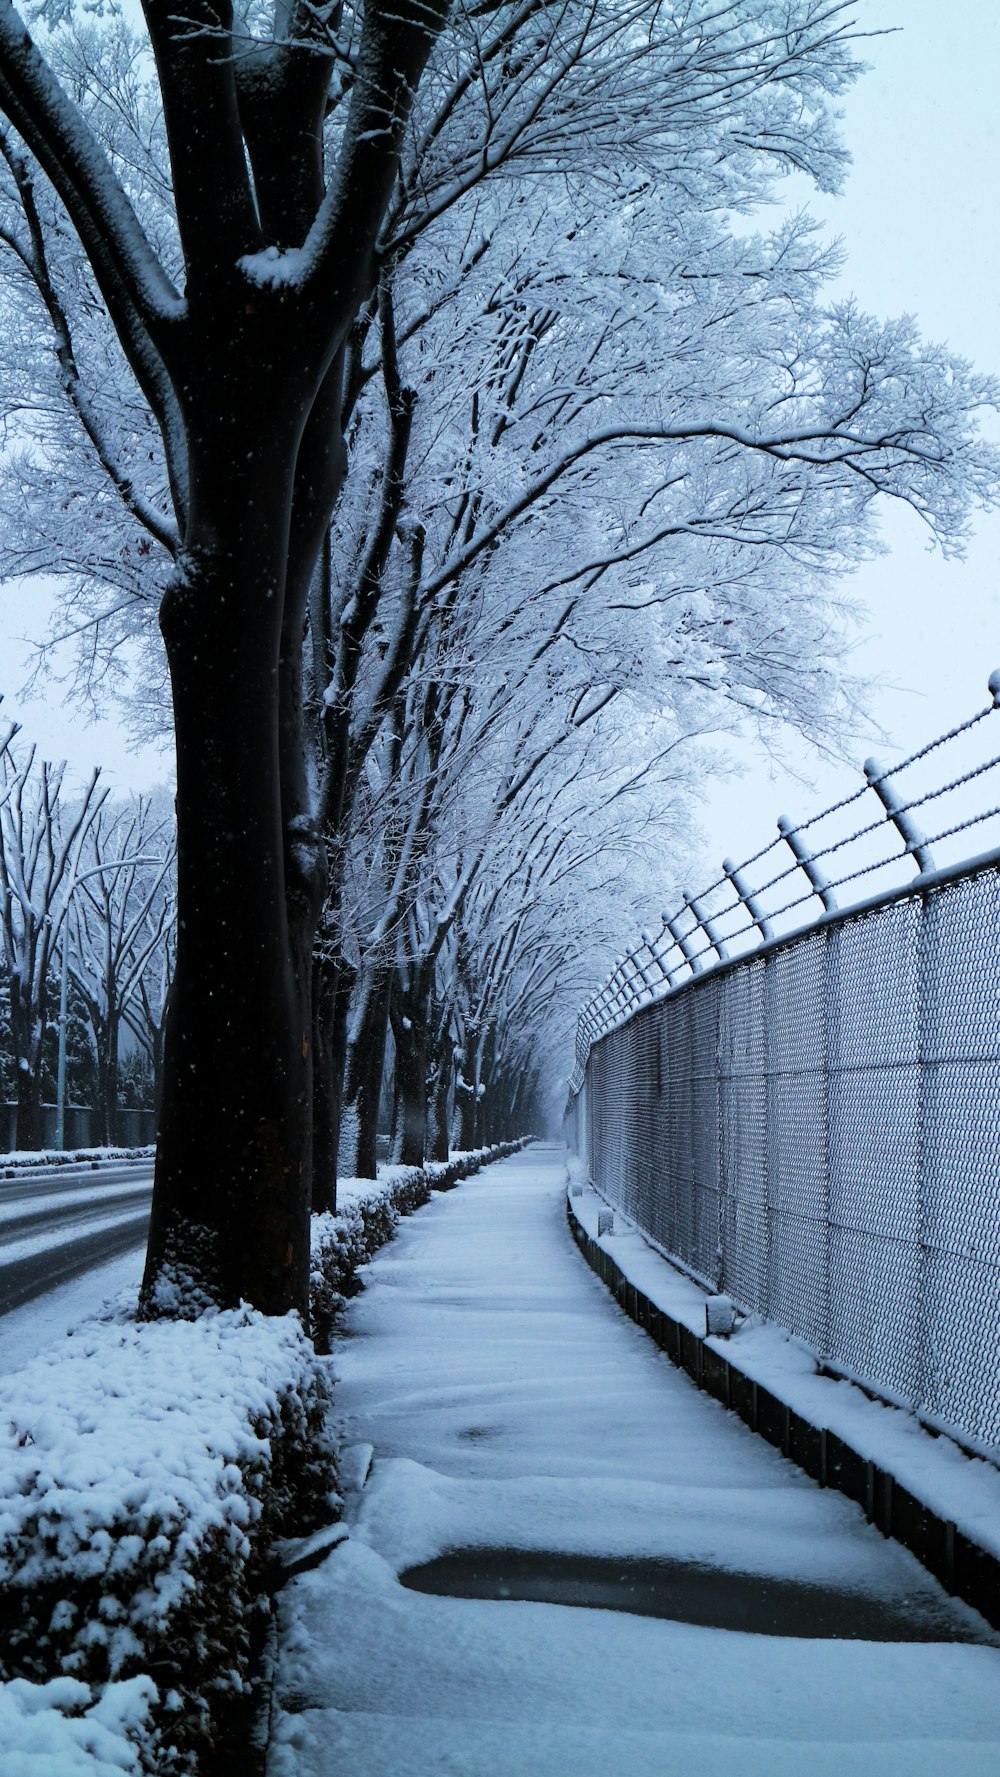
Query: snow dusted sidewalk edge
(368,1211)
(147,1471)
(921,1489)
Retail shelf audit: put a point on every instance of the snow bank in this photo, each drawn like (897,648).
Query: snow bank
(29,1159)
(367,1216)
(143,1478)
(59,1730)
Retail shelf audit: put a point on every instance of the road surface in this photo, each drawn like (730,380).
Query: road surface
(58,1222)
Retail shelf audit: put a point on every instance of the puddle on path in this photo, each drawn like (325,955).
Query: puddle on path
(689,1593)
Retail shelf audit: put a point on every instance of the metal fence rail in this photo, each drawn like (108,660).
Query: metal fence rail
(813,1126)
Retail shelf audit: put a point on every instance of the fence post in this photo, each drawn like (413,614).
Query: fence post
(683,943)
(749,900)
(926,1389)
(665,971)
(913,840)
(831,1080)
(708,926)
(802,855)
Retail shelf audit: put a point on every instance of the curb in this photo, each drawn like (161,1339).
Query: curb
(964,1568)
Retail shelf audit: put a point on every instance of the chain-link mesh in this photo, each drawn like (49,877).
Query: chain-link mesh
(815,1129)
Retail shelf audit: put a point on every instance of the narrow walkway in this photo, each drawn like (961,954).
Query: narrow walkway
(510,1404)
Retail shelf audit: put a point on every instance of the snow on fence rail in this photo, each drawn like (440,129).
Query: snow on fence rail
(807,1115)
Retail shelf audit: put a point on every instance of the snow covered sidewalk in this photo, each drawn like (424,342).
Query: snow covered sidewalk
(510,1404)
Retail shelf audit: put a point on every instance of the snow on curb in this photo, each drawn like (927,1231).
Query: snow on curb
(33,1159)
(916,1485)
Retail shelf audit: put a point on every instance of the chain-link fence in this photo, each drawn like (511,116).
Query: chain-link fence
(814,1129)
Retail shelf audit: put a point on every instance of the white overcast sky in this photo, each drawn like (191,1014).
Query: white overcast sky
(920,218)
(920,222)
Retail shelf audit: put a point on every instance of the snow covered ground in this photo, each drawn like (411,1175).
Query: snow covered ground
(59,1222)
(510,1403)
(960,1488)
(45,1322)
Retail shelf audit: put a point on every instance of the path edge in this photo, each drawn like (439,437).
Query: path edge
(963,1566)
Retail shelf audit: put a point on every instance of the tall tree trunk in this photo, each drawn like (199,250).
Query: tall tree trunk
(332,979)
(484,1069)
(29,1109)
(466,1091)
(108,1080)
(409,1013)
(363,1080)
(27,1022)
(230,1211)
(439,1082)
(156,1055)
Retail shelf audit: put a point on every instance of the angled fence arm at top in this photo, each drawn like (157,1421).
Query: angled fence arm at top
(708,926)
(811,870)
(900,816)
(749,899)
(652,945)
(683,943)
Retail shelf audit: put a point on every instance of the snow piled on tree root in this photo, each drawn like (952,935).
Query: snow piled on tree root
(143,1479)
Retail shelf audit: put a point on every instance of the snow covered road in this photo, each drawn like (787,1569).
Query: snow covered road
(511,1405)
(57,1223)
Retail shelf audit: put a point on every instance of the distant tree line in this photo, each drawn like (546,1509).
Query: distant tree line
(86,895)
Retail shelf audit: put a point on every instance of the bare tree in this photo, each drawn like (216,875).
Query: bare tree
(120,924)
(42,833)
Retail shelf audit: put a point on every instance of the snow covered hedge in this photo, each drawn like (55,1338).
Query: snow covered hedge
(144,1477)
(367,1216)
(35,1159)
(59,1729)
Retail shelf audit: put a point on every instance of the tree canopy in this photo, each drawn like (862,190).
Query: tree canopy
(419,369)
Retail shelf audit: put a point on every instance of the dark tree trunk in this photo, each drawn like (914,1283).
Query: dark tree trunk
(409,1108)
(29,1110)
(439,1080)
(465,1091)
(156,1054)
(363,1080)
(27,1022)
(230,1213)
(484,1083)
(108,1080)
(332,978)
